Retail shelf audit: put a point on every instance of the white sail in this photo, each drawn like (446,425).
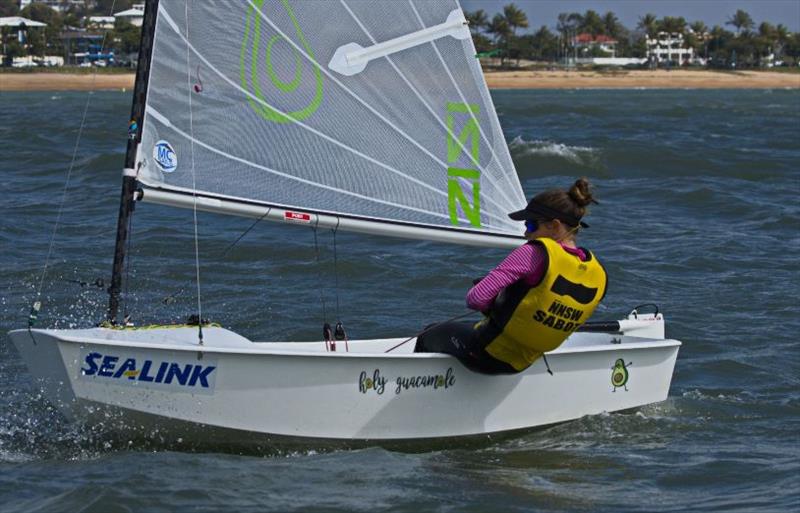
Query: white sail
(338,108)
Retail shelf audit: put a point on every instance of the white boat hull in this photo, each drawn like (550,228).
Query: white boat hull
(301,390)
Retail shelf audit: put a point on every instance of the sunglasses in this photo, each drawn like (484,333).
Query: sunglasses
(531,225)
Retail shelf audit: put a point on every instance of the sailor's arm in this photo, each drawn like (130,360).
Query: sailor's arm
(525,262)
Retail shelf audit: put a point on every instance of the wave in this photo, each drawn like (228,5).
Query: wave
(583,155)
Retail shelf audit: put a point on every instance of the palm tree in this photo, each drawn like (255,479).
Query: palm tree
(567,27)
(673,24)
(592,23)
(649,24)
(698,27)
(700,36)
(612,25)
(515,18)
(499,28)
(477,20)
(766,30)
(740,20)
(563,24)
(781,37)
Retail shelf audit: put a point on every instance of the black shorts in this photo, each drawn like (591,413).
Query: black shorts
(460,340)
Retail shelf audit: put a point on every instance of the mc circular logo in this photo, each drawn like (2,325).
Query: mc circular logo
(165,156)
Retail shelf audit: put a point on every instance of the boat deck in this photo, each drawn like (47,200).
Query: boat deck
(221,340)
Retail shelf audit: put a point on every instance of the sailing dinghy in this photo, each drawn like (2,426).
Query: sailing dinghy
(343,116)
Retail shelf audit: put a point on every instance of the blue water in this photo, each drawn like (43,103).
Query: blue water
(699,213)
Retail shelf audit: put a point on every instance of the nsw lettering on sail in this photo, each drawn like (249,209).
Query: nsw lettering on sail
(141,370)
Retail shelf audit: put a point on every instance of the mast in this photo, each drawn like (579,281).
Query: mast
(126,203)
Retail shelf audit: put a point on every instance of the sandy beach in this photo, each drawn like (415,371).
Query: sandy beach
(634,79)
(623,79)
(65,81)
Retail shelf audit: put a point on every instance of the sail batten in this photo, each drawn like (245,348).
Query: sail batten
(406,139)
(352,58)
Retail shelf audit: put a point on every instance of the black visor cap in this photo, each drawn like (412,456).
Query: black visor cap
(538,211)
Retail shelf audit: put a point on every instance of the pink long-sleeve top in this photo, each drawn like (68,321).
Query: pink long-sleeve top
(527,262)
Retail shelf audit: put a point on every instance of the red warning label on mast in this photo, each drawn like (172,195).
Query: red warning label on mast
(296,217)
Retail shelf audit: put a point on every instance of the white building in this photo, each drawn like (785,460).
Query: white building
(21,25)
(100,22)
(134,15)
(669,47)
(586,42)
(23,36)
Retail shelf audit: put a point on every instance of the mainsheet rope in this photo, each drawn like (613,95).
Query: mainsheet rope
(329,335)
(428,328)
(339,332)
(319,273)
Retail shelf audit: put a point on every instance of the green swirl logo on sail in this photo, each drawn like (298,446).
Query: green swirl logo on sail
(252,36)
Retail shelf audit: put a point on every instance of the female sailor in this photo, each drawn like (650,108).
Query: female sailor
(541,293)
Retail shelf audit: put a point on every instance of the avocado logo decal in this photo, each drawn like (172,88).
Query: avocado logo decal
(249,64)
(619,374)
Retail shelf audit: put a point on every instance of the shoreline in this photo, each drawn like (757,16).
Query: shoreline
(642,79)
(539,79)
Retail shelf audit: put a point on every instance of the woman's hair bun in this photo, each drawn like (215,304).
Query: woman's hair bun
(580,192)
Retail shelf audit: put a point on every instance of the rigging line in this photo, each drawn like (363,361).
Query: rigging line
(231,245)
(397,129)
(463,99)
(430,109)
(224,253)
(194,182)
(299,123)
(167,123)
(71,166)
(451,319)
(336,271)
(319,274)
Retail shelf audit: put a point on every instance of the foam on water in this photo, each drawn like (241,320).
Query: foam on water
(577,154)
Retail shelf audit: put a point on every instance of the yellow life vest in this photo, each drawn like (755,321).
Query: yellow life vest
(526,321)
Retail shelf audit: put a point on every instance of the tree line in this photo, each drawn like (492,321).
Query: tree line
(123,39)
(748,46)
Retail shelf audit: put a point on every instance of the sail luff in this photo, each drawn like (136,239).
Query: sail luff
(126,204)
(324,220)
